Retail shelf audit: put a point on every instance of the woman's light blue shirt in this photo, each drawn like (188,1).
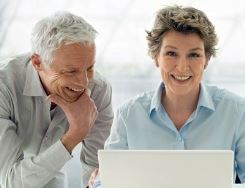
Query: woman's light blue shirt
(218,123)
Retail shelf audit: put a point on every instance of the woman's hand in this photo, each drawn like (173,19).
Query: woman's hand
(93,175)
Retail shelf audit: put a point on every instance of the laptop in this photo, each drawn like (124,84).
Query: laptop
(166,168)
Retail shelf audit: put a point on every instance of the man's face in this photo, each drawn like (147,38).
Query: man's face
(70,71)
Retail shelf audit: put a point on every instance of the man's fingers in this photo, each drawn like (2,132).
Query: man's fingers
(56,99)
(88,92)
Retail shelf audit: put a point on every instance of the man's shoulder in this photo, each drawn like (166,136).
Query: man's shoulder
(101,91)
(13,71)
(98,82)
(14,63)
(4,61)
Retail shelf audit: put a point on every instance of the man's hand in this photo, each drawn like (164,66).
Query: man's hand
(80,115)
(92,178)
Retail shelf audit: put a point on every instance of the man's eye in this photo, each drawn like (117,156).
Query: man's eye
(171,53)
(90,69)
(71,71)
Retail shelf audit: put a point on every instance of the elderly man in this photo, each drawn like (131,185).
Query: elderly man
(50,101)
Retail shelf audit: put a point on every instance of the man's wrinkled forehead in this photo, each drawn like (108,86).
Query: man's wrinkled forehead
(75,55)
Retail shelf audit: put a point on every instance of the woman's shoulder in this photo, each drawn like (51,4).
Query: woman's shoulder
(225,96)
(142,100)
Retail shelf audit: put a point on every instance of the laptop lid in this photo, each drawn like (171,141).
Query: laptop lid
(166,168)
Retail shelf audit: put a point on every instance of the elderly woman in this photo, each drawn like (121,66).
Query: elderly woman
(182,112)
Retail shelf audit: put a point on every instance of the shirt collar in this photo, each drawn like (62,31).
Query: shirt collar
(156,99)
(205,99)
(33,86)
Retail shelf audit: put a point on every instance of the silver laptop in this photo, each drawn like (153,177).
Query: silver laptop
(166,168)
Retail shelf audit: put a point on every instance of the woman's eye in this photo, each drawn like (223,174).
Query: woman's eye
(172,54)
(194,55)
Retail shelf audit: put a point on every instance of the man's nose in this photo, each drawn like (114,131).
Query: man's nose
(83,78)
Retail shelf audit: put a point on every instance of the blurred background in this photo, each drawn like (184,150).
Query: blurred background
(121,44)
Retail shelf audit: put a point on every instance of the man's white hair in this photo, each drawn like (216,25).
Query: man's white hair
(61,28)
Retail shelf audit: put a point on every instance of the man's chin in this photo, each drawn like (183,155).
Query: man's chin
(70,99)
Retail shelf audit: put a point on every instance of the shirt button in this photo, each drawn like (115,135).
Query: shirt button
(47,137)
(179,138)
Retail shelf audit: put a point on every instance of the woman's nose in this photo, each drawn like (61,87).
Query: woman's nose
(182,64)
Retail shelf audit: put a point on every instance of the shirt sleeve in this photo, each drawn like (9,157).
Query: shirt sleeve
(118,135)
(102,96)
(240,150)
(116,140)
(15,169)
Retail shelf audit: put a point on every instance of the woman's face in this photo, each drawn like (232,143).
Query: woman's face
(181,61)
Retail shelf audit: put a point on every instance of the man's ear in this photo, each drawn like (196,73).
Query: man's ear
(36,62)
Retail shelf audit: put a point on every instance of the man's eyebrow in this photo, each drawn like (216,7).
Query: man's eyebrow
(69,66)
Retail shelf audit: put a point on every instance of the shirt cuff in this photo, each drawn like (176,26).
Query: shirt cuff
(57,156)
(97,182)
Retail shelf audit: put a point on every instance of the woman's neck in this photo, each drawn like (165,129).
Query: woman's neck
(179,107)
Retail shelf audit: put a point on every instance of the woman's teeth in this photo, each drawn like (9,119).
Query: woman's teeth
(181,77)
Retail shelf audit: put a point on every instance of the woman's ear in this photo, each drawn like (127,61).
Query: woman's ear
(206,63)
(36,62)
(156,61)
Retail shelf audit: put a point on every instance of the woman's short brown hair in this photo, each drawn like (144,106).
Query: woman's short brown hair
(185,20)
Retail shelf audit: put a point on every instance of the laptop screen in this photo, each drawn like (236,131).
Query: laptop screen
(166,168)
